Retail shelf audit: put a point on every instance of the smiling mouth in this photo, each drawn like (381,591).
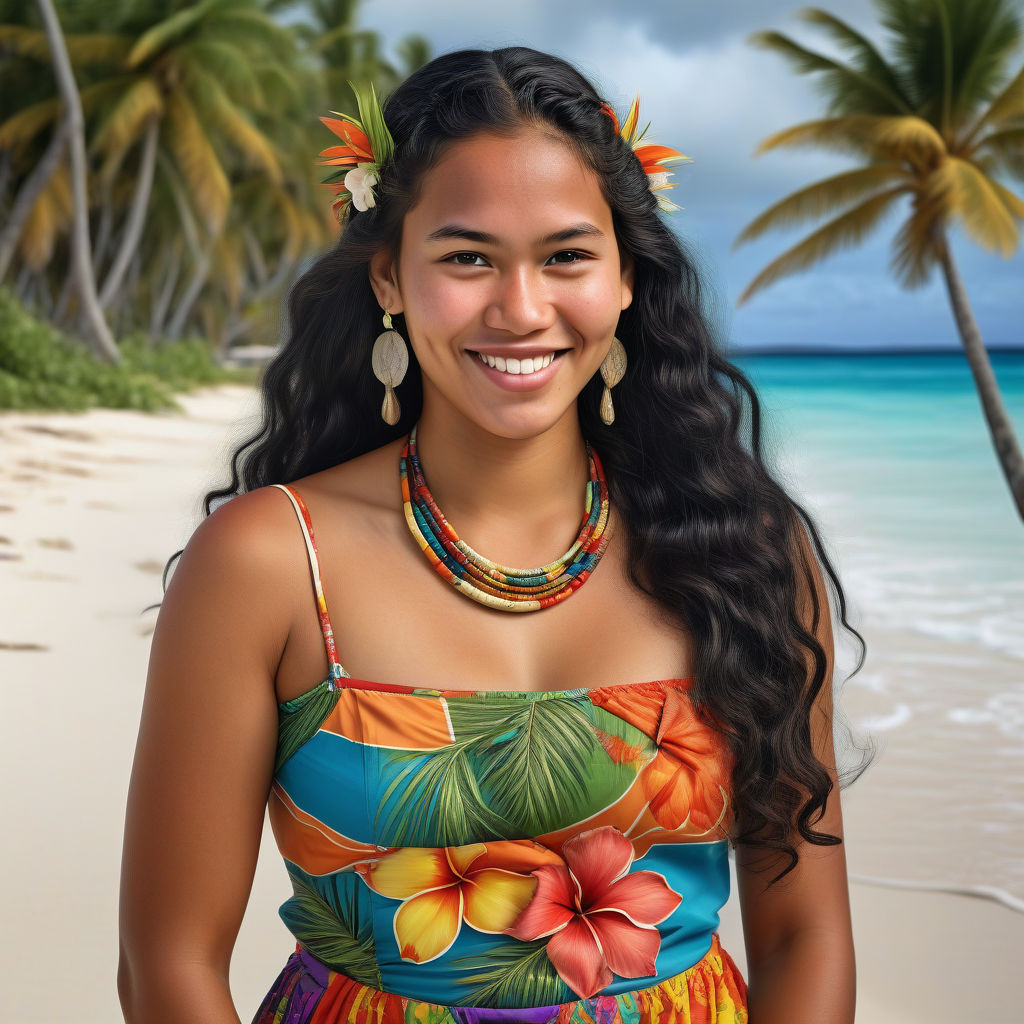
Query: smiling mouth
(518,366)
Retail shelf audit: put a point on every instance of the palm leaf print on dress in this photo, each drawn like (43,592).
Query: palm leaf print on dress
(515,770)
(515,974)
(330,914)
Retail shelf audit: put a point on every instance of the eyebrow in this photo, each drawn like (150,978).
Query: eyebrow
(584,228)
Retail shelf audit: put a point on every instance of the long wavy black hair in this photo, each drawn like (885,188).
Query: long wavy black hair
(711,535)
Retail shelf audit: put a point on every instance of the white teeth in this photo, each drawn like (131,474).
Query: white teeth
(517,366)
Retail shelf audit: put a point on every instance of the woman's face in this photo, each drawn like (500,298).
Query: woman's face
(509,253)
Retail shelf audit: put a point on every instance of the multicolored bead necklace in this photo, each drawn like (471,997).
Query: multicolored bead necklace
(499,586)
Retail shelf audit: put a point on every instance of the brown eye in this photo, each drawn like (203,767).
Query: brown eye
(454,258)
(580,257)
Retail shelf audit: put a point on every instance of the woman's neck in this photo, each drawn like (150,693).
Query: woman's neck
(490,486)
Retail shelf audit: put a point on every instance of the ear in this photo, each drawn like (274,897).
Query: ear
(384,281)
(628,276)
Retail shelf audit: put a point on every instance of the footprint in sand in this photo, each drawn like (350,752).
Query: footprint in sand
(61,543)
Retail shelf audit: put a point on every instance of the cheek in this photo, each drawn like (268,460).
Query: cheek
(441,301)
(594,304)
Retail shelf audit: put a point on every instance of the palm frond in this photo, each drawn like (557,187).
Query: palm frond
(870,61)
(984,35)
(980,208)
(878,137)
(228,64)
(822,197)
(25,125)
(1006,109)
(914,247)
(125,124)
(514,974)
(253,31)
(84,50)
(849,90)
(193,152)
(951,54)
(283,89)
(1005,148)
(171,30)
(49,217)
(847,229)
(247,140)
(1011,200)
(228,261)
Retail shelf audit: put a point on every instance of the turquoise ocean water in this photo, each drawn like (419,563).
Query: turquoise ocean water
(892,455)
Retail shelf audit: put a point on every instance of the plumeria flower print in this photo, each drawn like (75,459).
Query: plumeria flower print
(600,917)
(360,181)
(484,884)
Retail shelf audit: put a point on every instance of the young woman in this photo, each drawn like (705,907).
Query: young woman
(485,815)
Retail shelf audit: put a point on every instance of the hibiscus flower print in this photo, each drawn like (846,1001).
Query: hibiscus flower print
(686,782)
(598,916)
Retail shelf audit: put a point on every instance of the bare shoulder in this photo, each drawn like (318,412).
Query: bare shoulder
(238,580)
(369,482)
(357,502)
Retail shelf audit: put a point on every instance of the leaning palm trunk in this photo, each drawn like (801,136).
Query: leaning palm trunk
(999,423)
(200,273)
(103,344)
(136,218)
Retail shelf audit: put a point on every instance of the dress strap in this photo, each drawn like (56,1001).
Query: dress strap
(336,671)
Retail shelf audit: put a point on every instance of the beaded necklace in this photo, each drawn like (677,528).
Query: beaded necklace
(491,584)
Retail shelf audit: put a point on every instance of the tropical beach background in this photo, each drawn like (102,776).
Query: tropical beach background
(199,141)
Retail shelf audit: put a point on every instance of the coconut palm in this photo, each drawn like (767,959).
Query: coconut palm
(102,340)
(199,83)
(203,129)
(936,120)
(33,139)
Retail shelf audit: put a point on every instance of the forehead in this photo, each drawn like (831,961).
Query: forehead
(515,185)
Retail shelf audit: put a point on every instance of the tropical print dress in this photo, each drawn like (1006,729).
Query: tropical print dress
(463,856)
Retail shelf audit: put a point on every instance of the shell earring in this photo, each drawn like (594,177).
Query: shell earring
(390,360)
(612,369)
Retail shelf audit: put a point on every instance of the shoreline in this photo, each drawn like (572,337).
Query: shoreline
(93,504)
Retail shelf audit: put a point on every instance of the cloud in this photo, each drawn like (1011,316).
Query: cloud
(710,94)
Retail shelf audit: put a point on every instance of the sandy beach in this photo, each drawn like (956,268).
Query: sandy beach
(92,506)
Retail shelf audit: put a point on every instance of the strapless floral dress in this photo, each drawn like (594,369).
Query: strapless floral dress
(466,856)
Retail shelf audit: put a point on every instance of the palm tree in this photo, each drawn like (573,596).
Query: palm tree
(102,340)
(187,81)
(935,120)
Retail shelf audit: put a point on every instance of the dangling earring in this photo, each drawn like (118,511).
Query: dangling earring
(390,360)
(612,370)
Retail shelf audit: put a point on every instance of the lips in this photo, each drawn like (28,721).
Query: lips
(511,381)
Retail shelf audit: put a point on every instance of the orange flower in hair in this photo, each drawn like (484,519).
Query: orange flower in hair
(367,145)
(654,159)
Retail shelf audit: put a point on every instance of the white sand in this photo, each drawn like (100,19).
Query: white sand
(91,507)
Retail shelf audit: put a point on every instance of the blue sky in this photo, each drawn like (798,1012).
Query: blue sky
(710,94)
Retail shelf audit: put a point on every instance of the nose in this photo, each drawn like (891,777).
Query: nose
(521,303)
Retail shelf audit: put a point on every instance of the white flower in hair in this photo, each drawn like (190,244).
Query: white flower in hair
(359,182)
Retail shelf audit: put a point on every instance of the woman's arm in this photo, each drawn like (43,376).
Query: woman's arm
(798,934)
(203,765)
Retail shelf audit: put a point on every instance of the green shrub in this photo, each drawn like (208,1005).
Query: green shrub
(41,368)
